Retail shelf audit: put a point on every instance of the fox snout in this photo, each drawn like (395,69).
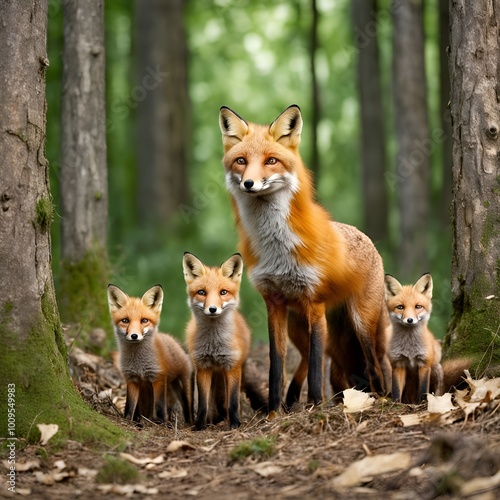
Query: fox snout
(134,337)
(212,311)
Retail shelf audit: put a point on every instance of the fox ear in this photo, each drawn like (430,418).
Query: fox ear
(233,268)
(392,286)
(424,285)
(286,129)
(193,267)
(153,298)
(232,126)
(116,298)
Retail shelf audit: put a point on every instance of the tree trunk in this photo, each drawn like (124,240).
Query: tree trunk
(444,98)
(373,155)
(315,101)
(162,100)
(83,174)
(412,137)
(475,114)
(33,369)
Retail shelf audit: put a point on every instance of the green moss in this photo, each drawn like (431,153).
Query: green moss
(44,213)
(118,471)
(36,367)
(82,294)
(491,229)
(260,448)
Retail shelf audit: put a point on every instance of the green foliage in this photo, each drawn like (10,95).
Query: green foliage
(44,213)
(117,471)
(264,447)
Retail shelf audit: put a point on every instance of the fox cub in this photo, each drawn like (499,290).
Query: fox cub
(154,364)
(414,352)
(218,340)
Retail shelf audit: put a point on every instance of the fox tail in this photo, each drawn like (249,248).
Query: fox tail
(254,387)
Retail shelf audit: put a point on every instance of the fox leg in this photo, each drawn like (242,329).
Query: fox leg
(159,399)
(398,382)
(203,380)
(437,379)
(131,401)
(424,377)
(185,396)
(317,337)
(297,329)
(277,324)
(233,382)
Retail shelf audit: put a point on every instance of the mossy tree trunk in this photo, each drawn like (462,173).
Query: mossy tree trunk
(412,136)
(83,175)
(475,112)
(33,366)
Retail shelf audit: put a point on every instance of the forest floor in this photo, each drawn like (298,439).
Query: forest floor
(387,450)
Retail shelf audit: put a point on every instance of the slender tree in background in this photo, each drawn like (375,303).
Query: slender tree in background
(83,173)
(162,109)
(444,98)
(412,137)
(33,365)
(373,153)
(475,93)
(315,97)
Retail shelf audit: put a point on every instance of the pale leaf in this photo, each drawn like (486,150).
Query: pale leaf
(173,473)
(479,484)
(368,467)
(179,445)
(266,469)
(142,461)
(356,401)
(46,432)
(440,404)
(409,420)
(24,466)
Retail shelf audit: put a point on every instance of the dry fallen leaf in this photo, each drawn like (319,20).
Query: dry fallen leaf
(179,445)
(266,469)
(356,401)
(127,489)
(409,420)
(142,461)
(367,467)
(51,477)
(440,404)
(479,485)
(24,466)
(46,432)
(173,473)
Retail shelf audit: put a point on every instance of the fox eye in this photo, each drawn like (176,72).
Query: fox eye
(201,292)
(241,161)
(125,320)
(271,161)
(223,292)
(144,320)
(418,306)
(400,307)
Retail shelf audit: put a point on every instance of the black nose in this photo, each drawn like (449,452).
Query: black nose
(212,309)
(409,320)
(248,184)
(134,336)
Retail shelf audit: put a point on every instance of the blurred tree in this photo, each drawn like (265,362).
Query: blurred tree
(315,94)
(83,174)
(161,93)
(373,152)
(444,97)
(33,365)
(475,93)
(412,137)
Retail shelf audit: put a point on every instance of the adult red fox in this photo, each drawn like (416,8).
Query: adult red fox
(414,352)
(154,364)
(323,279)
(218,340)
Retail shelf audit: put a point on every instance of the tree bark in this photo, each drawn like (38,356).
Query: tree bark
(373,153)
(83,174)
(475,113)
(162,100)
(412,137)
(315,94)
(33,367)
(444,99)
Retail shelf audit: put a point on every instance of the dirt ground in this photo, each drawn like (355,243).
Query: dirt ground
(311,452)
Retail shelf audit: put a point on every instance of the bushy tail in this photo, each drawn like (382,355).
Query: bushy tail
(454,373)
(254,387)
